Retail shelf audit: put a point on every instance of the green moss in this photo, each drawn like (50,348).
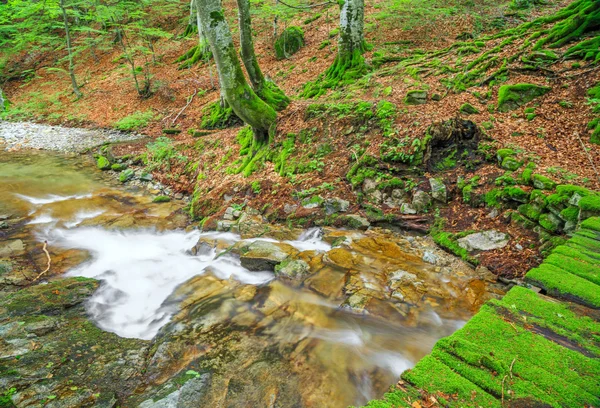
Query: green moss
(448,241)
(511,163)
(542,182)
(556,200)
(567,190)
(103,163)
(289,42)
(215,116)
(511,97)
(565,285)
(126,175)
(590,203)
(591,224)
(549,222)
(468,109)
(502,154)
(570,214)
(161,199)
(415,97)
(530,211)
(515,194)
(492,198)
(118,167)
(527,174)
(135,121)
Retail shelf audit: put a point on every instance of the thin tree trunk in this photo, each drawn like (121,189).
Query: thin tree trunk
(70,51)
(238,94)
(248,56)
(2,101)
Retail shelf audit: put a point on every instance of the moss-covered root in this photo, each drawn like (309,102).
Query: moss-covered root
(200,52)
(253,151)
(217,116)
(274,96)
(579,18)
(346,68)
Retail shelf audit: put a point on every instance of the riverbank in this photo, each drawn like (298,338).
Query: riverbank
(528,349)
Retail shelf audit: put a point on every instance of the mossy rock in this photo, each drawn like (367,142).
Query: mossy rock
(527,174)
(289,42)
(511,97)
(126,175)
(416,97)
(550,222)
(515,194)
(103,163)
(502,154)
(511,163)
(468,109)
(118,167)
(530,211)
(171,131)
(543,183)
(161,199)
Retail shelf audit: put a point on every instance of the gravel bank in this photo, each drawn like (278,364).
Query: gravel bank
(26,135)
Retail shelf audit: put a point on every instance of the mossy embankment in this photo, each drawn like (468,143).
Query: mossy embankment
(527,349)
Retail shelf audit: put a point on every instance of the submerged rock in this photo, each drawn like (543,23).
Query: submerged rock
(484,241)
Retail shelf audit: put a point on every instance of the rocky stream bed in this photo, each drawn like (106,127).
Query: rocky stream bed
(139,308)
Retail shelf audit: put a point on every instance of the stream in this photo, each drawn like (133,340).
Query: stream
(202,317)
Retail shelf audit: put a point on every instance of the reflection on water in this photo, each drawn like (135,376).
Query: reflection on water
(366,310)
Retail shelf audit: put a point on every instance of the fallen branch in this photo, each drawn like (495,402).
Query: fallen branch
(49,261)
(588,156)
(189,100)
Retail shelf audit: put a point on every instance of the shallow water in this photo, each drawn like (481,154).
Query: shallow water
(154,288)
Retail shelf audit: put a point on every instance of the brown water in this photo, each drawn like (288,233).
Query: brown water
(368,309)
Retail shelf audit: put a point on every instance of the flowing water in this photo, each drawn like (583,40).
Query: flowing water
(367,310)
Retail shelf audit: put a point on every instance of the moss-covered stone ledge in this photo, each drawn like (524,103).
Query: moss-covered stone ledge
(525,350)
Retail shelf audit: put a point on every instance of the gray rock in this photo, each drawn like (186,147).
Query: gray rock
(357,222)
(369,185)
(416,97)
(295,269)
(484,241)
(574,200)
(12,248)
(407,208)
(188,396)
(430,257)
(438,190)
(421,200)
(335,205)
(229,214)
(146,177)
(290,208)
(263,255)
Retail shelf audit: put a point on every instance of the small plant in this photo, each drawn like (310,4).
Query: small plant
(135,121)
(255,186)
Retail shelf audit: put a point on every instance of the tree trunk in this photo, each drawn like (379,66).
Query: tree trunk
(248,56)
(238,94)
(2,101)
(352,21)
(69,50)
(266,90)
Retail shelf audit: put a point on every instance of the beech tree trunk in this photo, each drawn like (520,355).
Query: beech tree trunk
(247,46)
(352,22)
(69,50)
(238,94)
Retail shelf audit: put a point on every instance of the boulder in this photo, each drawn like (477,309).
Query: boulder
(421,200)
(293,269)
(264,256)
(335,205)
(484,241)
(357,222)
(511,97)
(438,190)
(416,97)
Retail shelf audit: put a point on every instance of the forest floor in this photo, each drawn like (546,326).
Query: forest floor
(555,140)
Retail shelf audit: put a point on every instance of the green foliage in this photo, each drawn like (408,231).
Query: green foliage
(6,398)
(289,42)
(468,109)
(135,121)
(161,152)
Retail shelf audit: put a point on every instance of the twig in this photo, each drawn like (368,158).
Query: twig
(504,379)
(502,401)
(190,99)
(306,7)
(49,261)
(588,155)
